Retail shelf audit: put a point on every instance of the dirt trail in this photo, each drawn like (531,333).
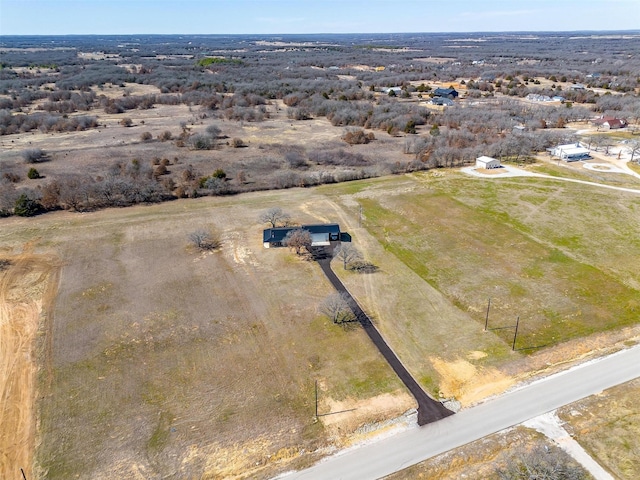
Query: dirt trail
(27,291)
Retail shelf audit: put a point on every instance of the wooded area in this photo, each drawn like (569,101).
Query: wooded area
(53,85)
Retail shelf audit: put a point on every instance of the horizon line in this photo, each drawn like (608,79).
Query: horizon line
(317,33)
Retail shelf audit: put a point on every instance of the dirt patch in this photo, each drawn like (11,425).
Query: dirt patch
(468,383)
(27,291)
(344,416)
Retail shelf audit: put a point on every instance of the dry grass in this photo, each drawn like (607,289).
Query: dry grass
(608,427)
(480,459)
(159,351)
(169,362)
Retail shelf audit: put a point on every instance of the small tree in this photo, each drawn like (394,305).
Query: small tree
(347,253)
(298,240)
(204,240)
(275,216)
(336,307)
(26,207)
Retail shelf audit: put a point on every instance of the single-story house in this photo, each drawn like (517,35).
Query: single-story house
(610,123)
(487,162)
(321,234)
(445,92)
(571,152)
(442,101)
(396,91)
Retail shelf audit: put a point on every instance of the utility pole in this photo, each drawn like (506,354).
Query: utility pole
(486,322)
(316,399)
(513,347)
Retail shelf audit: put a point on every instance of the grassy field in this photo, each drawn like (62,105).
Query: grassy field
(169,362)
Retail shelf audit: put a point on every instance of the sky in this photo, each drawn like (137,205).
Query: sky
(72,17)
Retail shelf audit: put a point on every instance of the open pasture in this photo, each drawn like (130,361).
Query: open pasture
(170,362)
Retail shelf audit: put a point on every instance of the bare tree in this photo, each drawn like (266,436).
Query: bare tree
(348,253)
(298,240)
(204,240)
(336,307)
(634,149)
(275,216)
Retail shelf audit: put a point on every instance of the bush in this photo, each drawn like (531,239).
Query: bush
(237,143)
(200,142)
(164,136)
(219,173)
(34,155)
(146,136)
(26,207)
(33,173)
(357,137)
(126,122)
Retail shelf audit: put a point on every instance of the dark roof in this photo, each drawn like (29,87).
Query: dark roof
(322,228)
(277,234)
(445,92)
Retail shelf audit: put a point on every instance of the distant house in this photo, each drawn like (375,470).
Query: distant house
(571,152)
(321,235)
(536,97)
(450,93)
(609,123)
(487,162)
(442,101)
(396,91)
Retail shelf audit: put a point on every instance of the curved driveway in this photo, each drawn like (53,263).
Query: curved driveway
(412,446)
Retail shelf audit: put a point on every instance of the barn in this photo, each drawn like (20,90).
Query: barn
(487,162)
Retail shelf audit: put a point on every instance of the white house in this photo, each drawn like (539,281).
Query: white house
(487,162)
(571,152)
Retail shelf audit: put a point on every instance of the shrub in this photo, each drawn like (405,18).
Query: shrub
(357,137)
(164,136)
(219,173)
(34,155)
(146,136)
(237,143)
(200,142)
(11,177)
(33,173)
(126,122)
(26,207)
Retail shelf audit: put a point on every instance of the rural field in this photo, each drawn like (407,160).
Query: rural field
(156,360)
(128,352)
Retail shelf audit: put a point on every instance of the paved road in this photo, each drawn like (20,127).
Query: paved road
(429,410)
(409,447)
